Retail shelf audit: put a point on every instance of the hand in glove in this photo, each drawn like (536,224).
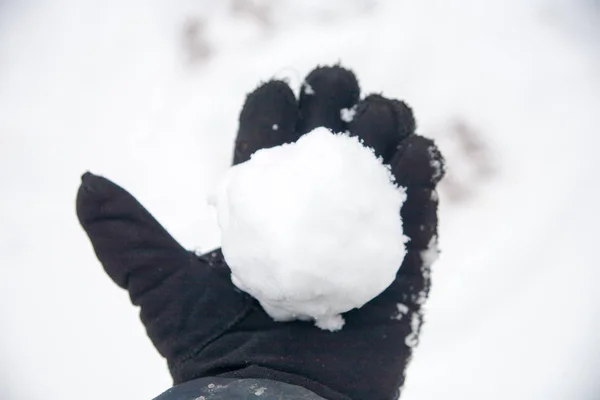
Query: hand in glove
(205,327)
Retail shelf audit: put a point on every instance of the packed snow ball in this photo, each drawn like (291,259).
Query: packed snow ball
(312,229)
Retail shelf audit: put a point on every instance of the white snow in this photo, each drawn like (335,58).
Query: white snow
(275,127)
(435,163)
(402,311)
(260,391)
(312,229)
(307,88)
(415,325)
(108,86)
(347,114)
(431,254)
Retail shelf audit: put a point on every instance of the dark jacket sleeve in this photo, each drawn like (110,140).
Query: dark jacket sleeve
(236,389)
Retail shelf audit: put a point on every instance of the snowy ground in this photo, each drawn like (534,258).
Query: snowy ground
(147,93)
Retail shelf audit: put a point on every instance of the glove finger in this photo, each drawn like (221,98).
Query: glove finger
(419,217)
(267,119)
(418,166)
(381,124)
(325,93)
(417,163)
(127,239)
(184,302)
(409,289)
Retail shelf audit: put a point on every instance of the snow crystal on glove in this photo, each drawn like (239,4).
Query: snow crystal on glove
(312,229)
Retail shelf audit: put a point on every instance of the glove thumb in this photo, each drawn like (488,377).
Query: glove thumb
(134,249)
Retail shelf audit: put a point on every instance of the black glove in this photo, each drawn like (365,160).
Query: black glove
(204,326)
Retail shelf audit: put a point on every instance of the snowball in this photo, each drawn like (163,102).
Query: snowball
(312,229)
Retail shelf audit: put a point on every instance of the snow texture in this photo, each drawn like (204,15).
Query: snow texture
(435,163)
(431,254)
(301,223)
(415,326)
(402,311)
(347,114)
(260,391)
(307,88)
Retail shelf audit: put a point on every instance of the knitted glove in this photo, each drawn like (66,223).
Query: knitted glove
(204,326)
